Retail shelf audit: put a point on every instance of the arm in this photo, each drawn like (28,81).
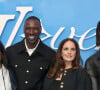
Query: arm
(84,81)
(90,71)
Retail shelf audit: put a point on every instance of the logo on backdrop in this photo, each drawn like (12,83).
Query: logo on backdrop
(23,11)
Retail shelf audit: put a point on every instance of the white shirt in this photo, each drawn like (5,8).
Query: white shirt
(30,51)
(4,73)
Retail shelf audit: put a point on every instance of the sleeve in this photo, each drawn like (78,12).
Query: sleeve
(47,83)
(90,70)
(84,81)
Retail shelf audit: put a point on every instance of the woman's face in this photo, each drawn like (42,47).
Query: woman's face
(68,51)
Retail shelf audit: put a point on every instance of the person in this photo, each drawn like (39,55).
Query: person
(92,64)
(30,58)
(7,79)
(66,73)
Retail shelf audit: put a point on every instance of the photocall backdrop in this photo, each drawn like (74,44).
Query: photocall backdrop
(60,19)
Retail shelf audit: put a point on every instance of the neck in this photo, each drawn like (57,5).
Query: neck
(68,65)
(31,45)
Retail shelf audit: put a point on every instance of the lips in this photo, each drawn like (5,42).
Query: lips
(68,56)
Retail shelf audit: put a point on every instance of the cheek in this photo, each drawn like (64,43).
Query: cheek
(63,52)
(74,54)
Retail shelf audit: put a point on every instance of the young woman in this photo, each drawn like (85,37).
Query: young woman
(66,72)
(7,80)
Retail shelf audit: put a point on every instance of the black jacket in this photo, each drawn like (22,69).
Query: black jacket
(29,70)
(93,68)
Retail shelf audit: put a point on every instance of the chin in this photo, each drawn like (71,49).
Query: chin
(32,42)
(69,60)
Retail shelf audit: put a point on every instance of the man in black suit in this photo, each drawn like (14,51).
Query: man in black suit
(30,58)
(93,63)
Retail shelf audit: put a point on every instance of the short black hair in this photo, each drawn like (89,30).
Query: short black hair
(33,17)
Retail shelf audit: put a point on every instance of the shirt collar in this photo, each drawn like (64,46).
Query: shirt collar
(30,51)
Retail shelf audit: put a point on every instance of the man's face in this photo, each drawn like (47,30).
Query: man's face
(32,30)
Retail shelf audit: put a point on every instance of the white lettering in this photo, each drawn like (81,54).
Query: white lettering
(23,11)
(83,37)
(56,36)
(3,21)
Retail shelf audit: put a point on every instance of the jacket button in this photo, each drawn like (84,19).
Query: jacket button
(26,82)
(27,71)
(16,65)
(29,60)
(41,68)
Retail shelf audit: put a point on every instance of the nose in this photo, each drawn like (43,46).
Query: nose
(31,31)
(69,51)
(34,31)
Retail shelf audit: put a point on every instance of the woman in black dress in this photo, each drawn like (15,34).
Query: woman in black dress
(66,72)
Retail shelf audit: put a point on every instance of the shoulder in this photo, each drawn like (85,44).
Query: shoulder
(94,56)
(81,72)
(93,59)
(83,75)
(45,50)
(15,46)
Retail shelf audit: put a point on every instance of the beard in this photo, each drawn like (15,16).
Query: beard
(32,39)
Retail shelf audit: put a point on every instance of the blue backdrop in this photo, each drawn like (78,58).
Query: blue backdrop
(60,19)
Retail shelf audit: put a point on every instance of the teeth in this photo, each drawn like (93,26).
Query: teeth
(31,37)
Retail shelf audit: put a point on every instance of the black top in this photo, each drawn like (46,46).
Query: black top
(71,80)
(29,70)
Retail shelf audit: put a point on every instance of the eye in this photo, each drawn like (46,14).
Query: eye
(66,48)
(27,28)
(36,28)
(73,49)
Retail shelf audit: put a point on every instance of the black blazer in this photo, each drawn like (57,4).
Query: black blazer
(93,68)
(29,70)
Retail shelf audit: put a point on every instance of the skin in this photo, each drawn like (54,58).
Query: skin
(68,53)
(32,31)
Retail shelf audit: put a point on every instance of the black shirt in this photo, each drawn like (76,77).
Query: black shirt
(71,80)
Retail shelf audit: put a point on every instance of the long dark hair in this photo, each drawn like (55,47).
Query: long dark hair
(3,55)
(59,63)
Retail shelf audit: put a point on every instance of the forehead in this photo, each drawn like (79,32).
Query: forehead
(69,44)
(32,22)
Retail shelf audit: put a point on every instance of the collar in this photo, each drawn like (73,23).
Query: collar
(20,47)
(30,51)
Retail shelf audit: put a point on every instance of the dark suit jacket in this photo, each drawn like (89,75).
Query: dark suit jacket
(12,79)
(29,70)
(93,68)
